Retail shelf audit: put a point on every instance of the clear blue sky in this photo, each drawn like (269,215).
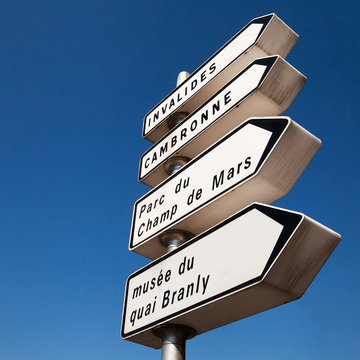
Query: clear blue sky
(77,78)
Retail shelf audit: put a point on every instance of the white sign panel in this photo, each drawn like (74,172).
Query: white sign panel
(213,269)
(261,37)
(259,161)
(251,93)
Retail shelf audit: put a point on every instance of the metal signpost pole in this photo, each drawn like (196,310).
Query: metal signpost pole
(176,162)
(173,340)
(174,336)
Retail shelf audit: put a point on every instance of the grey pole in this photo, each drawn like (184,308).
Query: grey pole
(183,75)
(174,163)
(173,340)
(172,239)
(174,336)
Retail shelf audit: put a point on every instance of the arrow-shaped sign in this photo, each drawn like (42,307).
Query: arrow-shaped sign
(259,161)
(259,258)
(266,87)
(263,36)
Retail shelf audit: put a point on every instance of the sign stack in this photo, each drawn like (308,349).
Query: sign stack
(245,256)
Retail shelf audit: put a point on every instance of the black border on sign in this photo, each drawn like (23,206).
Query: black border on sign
(261,20)
(276,125)
(290,221)
(267,61)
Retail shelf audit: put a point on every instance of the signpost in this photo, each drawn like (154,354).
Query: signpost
(263,36)
(259,161)
(236,265)
(251,93)
(259,258)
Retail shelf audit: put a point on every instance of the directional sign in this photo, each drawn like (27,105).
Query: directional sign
(266,87)
(259,161)
(260,258)
(263,36)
